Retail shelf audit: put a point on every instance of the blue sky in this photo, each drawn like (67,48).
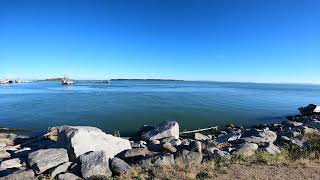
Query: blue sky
(220,40)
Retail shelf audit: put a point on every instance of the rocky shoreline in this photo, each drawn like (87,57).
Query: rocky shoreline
(83,152)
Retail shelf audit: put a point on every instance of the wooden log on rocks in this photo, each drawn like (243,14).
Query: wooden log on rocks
(199,130)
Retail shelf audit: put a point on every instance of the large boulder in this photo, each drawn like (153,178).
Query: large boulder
(259,136)
(164,130)
(118,166)
(82,139)
(159,160)
(95,165)
(20,175)
(44,159)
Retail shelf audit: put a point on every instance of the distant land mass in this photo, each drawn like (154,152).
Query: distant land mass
(52,79)
(121,79)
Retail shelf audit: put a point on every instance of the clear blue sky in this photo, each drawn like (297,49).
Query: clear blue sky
(222,40)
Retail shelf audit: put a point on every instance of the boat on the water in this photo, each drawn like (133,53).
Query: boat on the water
(108,81)
(11,81)
(66,81)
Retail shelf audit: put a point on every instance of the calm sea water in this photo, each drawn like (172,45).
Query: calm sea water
(127,105)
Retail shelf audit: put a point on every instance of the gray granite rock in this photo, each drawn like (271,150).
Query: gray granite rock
(200,137)
(168,147)
(164,130)
(271,148)
(246,149)
(259,136)
(68,176)
(156,160)
(195,146)
(44,159)
(215,153)
(95,165)
(136,152)
(20,175)
(118,166)
(60,169)
(4,154)
(10,163)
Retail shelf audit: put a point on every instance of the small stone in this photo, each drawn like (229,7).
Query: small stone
(68,176)
(159,160)
(228,137)
(167,139)
(95,165)
(168,147)
(118,166)
(11,163)
(246,149)
(195,146)
(307,130)
(200,137)
(271,148)
(137,152)
(215,153)
(44,159)
(4,154)
(292,123)
(176,142)
(60,169)
(138,144)
(259,136)
(155,141)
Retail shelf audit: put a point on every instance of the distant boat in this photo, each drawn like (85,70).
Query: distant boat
(66,81)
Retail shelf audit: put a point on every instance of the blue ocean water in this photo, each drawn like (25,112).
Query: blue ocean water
(126,105)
